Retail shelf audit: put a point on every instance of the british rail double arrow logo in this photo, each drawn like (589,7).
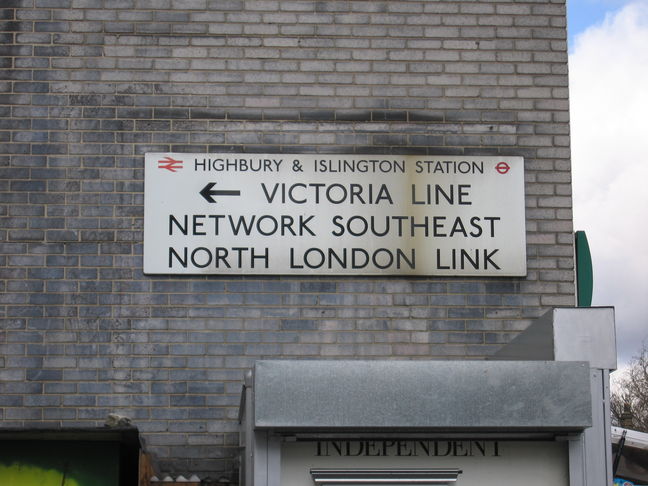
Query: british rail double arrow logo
(170,164)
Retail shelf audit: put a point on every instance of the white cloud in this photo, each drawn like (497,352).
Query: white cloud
(609,108)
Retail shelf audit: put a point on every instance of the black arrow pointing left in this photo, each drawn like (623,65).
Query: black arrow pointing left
(208,193)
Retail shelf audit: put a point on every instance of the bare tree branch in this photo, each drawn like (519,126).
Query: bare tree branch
(631,397)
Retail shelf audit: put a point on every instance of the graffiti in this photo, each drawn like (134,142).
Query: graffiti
(58,463)
(25,475)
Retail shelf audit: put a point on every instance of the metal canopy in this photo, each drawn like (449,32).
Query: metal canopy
(473,396)
(634,455)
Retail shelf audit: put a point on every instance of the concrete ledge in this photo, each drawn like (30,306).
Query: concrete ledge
(422,395)
(567,334)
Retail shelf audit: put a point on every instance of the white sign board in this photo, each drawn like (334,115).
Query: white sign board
(334,214)
(479,462)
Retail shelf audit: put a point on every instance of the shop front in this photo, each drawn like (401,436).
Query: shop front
(539,421)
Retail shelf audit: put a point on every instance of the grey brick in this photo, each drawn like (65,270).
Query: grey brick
(11,401)
(44,375)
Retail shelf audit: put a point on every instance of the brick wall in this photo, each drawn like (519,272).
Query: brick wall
(87,87)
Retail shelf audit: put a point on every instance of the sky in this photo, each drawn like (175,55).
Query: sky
(608,69)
